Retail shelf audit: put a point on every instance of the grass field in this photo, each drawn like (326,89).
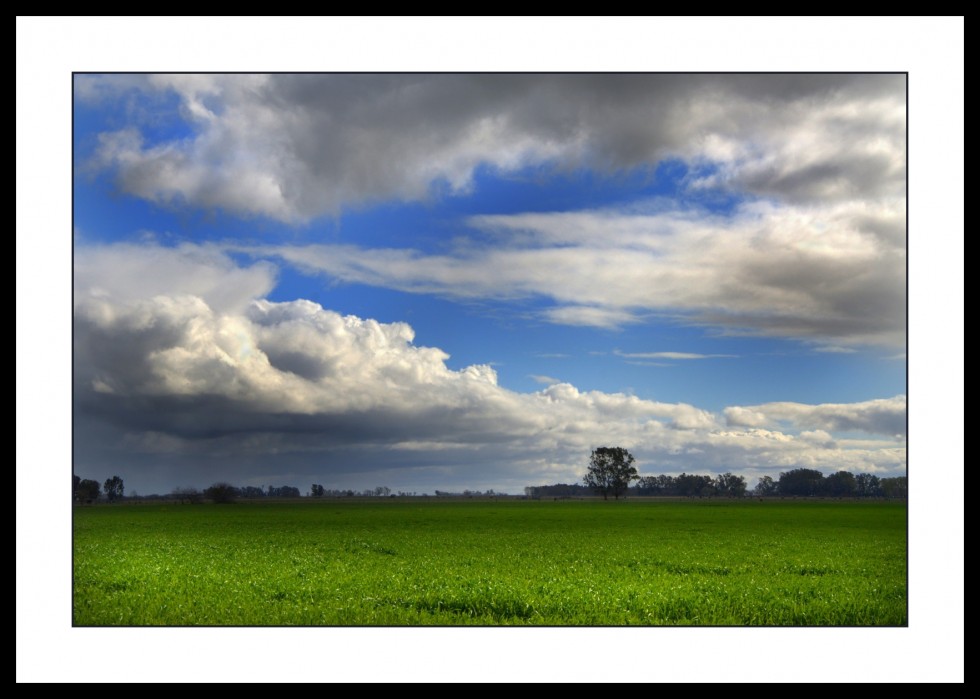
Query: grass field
(410,562)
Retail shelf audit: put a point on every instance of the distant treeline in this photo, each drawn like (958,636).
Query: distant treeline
(86,491)
(225,492)
(797,482)
(89,491)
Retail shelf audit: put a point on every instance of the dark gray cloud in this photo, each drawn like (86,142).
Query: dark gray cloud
(293,147)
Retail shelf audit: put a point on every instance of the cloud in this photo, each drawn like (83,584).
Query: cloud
(737,416)
(590,316)
(267,391)
(819,437)
(669,355)
(293,147)
(821,273)
(834,349)
(125,273)
(548,380)
(886,416)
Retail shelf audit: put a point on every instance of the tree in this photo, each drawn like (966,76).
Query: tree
(897,487)
(801,481)
(666,485)
(867,485)
(766,486)
(840,485)
(693,485)
(731,485)
(222,493)
(610,471)
(88,490)
(646,485)
(113,488)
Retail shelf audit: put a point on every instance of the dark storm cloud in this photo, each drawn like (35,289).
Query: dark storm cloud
(293,147)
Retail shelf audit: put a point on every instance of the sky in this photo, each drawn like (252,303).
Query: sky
(449,281)
(238,251)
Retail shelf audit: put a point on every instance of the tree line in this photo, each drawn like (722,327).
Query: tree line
(222,492)
(789,484)
(87,491)
(810,482)
(611,472)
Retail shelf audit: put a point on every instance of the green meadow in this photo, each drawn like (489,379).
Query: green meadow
(414,562)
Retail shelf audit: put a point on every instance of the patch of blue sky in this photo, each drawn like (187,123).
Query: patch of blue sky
(102,215)
(549,188)
(419,226)
(734,370)
(772,370)
(435,224)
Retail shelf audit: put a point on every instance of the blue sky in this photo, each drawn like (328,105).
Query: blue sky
(469,281)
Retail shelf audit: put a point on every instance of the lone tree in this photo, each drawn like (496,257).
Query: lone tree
(113,488)
(610,471)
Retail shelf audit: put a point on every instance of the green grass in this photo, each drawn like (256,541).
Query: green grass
(574,563)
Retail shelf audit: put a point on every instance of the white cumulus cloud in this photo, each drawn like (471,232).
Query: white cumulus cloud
(271,389)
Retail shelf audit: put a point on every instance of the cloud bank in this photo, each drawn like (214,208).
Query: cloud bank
(294,147)
(203,379)
(827,274)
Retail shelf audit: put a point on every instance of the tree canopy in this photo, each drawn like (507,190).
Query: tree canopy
(610,471)
(221,492)
(87,490)
(113,488)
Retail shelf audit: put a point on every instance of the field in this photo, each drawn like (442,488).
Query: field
(414,562)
